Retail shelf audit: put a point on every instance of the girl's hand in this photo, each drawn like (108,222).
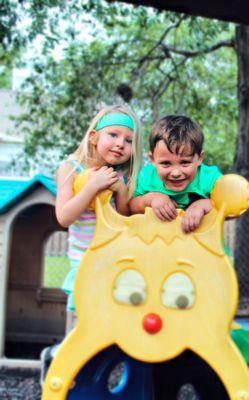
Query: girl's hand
(121,197)
(163,206)
(194,214)
(102,178)
(118,187)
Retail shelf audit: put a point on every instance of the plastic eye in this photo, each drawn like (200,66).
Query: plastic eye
(130,288)
(178,291)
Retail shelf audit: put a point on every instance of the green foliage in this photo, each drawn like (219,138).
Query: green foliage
(160,62)
(55,271)
(5,77)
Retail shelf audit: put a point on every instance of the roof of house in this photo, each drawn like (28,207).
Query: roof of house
(227,10)
(13,190)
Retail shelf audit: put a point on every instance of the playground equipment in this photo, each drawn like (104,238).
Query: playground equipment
(153,292)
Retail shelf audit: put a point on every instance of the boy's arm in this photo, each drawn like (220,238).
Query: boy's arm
(163,206)
(142,195)
(138,204)
(194,214)
(196,211)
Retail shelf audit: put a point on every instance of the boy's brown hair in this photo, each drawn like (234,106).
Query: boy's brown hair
(177,131)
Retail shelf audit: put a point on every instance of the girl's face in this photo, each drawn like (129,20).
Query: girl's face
(113,144)
(176,170)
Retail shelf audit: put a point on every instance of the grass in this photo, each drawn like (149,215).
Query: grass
(55,271)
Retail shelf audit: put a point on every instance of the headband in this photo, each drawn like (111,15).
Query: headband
(119,119)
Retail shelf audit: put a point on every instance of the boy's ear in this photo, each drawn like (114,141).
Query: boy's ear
(201,157)
(150,155)
(93,137)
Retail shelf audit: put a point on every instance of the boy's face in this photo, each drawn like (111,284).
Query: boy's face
(175,170)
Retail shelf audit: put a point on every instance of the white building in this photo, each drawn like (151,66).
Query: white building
(11,138)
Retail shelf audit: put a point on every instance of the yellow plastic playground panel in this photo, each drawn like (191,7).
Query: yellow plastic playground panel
(154,291)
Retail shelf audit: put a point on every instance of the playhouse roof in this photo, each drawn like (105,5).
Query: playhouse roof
(227,10)
(13,190)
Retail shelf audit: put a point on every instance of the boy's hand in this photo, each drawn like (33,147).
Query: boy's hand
(194,214)
(163,206)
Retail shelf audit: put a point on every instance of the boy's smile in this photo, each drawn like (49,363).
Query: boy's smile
(176,170)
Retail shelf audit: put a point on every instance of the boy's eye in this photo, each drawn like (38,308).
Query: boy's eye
(165,163)
(186,162)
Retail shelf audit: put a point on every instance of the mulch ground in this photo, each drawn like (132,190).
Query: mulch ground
(23,384)
(19,384)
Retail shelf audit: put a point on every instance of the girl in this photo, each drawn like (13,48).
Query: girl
(111,151)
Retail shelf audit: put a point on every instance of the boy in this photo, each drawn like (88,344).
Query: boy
(176,177)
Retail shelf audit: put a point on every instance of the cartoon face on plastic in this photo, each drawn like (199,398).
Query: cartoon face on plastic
(154,291)
(147,284)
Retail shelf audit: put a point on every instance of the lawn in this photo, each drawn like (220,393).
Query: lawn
(55,270)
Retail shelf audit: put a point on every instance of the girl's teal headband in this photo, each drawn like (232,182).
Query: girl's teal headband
(112,119)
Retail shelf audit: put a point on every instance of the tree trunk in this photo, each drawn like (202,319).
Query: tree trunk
(242,166)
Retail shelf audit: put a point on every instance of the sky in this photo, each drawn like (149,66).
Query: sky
(85,32)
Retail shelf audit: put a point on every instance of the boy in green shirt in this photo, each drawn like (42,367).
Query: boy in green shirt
(176,176)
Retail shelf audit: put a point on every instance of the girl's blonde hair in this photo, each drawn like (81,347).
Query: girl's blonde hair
(85,153)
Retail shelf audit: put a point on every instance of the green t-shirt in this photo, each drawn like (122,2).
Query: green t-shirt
(202,184)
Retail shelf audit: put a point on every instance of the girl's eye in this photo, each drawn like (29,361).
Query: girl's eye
(129,141)
(165,164)
(112,134)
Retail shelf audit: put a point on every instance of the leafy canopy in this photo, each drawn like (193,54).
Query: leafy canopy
(158,62)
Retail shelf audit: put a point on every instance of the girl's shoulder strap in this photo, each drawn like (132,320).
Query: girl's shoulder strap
(78,167)
(121,173)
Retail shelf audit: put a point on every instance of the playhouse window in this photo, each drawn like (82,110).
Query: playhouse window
(55,260)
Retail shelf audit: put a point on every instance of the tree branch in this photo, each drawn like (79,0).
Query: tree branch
(160,41)
(190,54)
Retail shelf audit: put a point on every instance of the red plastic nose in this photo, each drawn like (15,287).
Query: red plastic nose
(152,323)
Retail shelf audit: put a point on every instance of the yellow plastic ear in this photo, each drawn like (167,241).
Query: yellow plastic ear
(231,195)
(80,182)
(230,198)
(107,229)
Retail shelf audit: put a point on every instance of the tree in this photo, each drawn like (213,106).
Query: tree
(242,165)
(158,62)
(23,21)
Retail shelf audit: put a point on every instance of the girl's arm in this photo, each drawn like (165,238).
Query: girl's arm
(69,207)
(121,197)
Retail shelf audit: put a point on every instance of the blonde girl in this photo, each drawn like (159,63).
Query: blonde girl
(111,150)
